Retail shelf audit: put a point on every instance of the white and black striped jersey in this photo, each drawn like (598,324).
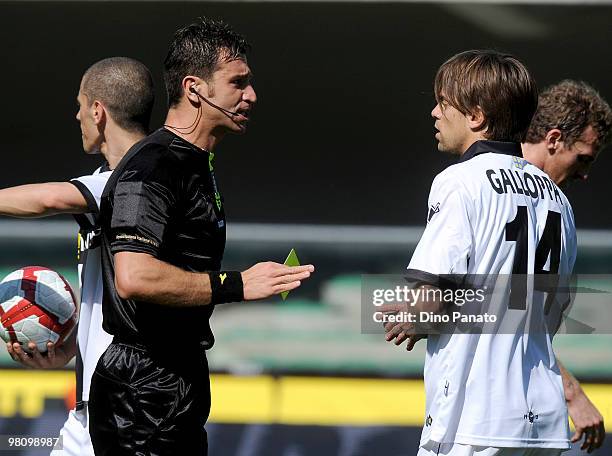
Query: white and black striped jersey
(493,213)
(92,340)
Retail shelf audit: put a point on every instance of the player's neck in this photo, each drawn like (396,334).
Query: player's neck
(535,154)
(472,138)
(117,144)
(201,134)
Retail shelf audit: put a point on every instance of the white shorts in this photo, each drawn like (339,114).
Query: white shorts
(457,449)
(75,435)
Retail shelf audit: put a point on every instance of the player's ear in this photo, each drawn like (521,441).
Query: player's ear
(553,140)
(98,112)
(192,86)
(476,119)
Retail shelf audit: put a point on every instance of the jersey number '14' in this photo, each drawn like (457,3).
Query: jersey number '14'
(550,244)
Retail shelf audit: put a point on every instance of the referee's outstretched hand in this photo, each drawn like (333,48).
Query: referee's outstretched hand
(267,279)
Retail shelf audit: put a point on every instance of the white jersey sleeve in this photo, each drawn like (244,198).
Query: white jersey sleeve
(447,242)
(91,186)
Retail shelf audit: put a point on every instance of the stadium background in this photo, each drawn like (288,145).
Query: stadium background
(337,163)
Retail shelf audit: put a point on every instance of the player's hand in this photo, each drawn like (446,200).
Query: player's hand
(266,279)
(587,421)
(55,356)
(399,332)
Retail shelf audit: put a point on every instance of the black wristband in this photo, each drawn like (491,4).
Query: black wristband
(226,286)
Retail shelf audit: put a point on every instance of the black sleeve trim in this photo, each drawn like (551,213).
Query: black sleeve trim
(443,282)
(84,222)
(92,205)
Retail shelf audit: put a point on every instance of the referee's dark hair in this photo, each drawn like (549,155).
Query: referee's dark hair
(125,87)
(197,50)
(498,84)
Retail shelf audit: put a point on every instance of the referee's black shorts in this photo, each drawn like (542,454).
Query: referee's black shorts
(144,405)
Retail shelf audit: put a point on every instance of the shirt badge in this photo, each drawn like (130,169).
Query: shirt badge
(519,162)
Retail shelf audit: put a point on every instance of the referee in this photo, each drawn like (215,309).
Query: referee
(163,236)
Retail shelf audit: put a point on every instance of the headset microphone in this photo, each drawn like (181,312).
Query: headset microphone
(226,111)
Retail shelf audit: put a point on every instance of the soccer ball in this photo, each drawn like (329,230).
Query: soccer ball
(36,305)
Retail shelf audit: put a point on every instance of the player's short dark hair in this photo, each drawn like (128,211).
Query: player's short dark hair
(125,87)
(197,50)
(571,106)
(499,84)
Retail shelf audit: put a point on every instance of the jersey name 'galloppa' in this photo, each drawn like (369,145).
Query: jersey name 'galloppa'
(523,183)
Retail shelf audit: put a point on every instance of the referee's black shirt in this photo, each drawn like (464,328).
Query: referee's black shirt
(162,200)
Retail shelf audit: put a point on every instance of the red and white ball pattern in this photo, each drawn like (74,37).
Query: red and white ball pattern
(36,305)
